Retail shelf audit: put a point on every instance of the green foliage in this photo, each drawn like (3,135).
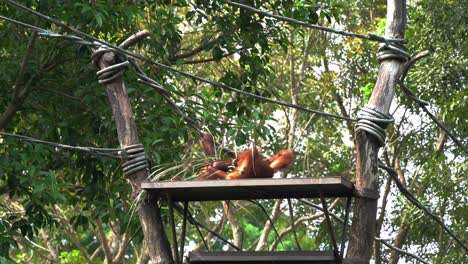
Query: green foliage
(44,189)
(72,257)
(367,91)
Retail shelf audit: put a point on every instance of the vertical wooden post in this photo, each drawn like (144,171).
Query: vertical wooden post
(367,147)
(148,211)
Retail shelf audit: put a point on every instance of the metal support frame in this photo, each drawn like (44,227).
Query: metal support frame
(173,197)
(175,248)
(182,235)
(332,234)
(291,217)
(345,226)
(200,233)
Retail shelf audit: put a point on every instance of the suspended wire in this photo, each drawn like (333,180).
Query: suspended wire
(370,36)
(31,27)
(381,240)
(418,204)
(50,34)
(108,152)
(410,94)
(169,68)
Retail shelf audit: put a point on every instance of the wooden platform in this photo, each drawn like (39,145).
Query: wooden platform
(278,257)
(251,189)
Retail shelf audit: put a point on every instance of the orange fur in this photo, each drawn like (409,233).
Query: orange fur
(249,164)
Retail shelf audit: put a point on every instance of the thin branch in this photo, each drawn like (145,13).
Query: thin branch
(104,241)
(123,247)
(20,90)
(262,243)
(301,220)
(211,59)
(236,228)
(71,232)
(196,50)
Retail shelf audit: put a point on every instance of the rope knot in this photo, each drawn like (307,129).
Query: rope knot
(113,72)
(136,159)
(373,122)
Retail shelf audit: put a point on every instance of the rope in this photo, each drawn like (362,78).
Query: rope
(182,73)
(370,36)
(134,154)
(72,38)
(107,152)
(373,122)
(115,71)
(393,51)
(136,159)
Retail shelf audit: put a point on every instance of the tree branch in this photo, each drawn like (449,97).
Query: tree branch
(71,233)
(211,59)
(235,226)
(104,241)
(21,90)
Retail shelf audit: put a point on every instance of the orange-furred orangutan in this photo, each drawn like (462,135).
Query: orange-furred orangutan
(247,164)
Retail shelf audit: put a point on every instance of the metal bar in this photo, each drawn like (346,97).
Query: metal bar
(345,225)
(198,224)
(255,257)
(182,235)
(200,233)
(272,223)
(175,248)
(291,217)
(332,234)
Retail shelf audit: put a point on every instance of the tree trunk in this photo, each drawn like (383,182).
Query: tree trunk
(399,241)
(236,228)
(365,210)
(148,211)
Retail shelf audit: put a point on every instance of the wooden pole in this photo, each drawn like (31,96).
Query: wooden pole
(367,147)
(148,211)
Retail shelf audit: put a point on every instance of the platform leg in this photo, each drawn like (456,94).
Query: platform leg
(182,235)
(330,228)
(291,216)
(175,248)
(345,226)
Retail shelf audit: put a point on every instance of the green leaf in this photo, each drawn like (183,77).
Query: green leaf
(99,18)
(217,53)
